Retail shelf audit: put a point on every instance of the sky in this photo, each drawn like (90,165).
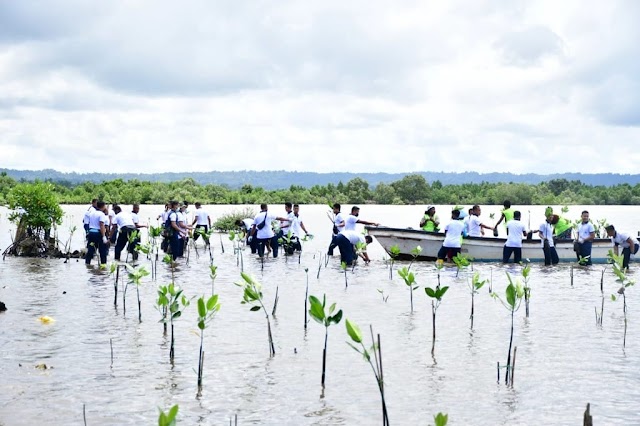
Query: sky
(351,86)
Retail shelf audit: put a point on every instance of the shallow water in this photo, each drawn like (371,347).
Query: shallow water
(563,361)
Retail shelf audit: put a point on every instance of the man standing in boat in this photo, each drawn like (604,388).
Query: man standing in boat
(476,228)
(430,221)
(507,216)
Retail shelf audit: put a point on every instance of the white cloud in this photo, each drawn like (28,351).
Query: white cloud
(334,86)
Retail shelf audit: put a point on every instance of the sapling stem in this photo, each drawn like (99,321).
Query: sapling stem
(433,317)
(319,267)
(306,296)
(571,273)
(324,354)
(84,413)
(275,304)
(139,308)
(221,244)
(513,366)
(111,345)
(509,353)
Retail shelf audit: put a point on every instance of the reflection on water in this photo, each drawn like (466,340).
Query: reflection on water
(564,360)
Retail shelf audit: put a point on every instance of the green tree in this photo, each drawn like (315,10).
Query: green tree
(412,189)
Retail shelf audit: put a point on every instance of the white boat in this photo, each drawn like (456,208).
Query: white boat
(481,249)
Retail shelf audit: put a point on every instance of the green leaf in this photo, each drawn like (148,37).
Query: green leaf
(254,308)
(337,317)
(511,295)
(442,291)
(177,314)
(430,292)
(354,331)
(332,308)
(212,302)
(441,419)
(202,309)
(316,310)
(613,297)
(201,325)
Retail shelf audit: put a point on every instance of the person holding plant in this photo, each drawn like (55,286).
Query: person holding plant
(586,235)
(452,243)
(561,227)
(97,234)
(347,241)
(476,228)
(506,216)
(124,224)
(262,229)
(515,232)
(619,239)
(430,221)
(546,235)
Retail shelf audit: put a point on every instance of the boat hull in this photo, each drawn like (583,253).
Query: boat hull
(481,249)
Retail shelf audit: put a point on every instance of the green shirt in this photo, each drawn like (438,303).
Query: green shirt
(430,223)
(508,215)
(562,225)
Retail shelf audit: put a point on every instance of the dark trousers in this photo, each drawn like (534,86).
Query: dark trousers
(584,251)
(123,239)
(196,234)
(114,236)
(253,244)
(347,252)
(94,241)
(333,245)
(177,246)
(517,254)
(448,252)
(262,243)
(550,256)
(626,255)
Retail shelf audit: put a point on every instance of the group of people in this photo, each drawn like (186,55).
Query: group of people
(553,228)
(104,226)
(177,228)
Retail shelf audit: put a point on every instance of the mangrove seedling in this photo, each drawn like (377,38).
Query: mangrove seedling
(318,313)
(384,298)
(213,274)
(135,276)
(475,285)
(441,419)
(625,282)
(206,311)
(172,299)
(67,246)
(113,270)
(439,267)
(252,295)
(462,261)
(513,299)
(133,241)
(526,287)
(394,252)
(355,334)
(436,295)
(599,315)
(306,296)
(415,252)
(168,418)
(410,280)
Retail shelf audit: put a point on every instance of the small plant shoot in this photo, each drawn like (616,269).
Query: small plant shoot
(410,280)
(319,312)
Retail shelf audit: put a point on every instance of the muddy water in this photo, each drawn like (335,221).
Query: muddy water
(563,361)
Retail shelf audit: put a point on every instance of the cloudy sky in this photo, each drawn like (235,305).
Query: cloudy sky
(377,86)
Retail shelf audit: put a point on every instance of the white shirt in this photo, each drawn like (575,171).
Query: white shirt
(453,232)
(112,216)
(620,239)
(134,218)
(285,226)
(96,218)
(547,233)
(123,219)
(516,231)
(338,220)
(267,231)
(165,215)
(350,222)
(202,217)
(174,216)
(87,214)
(247,224)
(585,230)
(354,237)
(296,229)
(474,226)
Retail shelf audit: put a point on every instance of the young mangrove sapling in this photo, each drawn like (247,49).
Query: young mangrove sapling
(318,313)
(475,285)
(135,277)
(394,252)
(625,282)
(436,295)
(513,299)
(206,311)
(355,334)
(171,301)
(252,295)
(169,418)
(410,280)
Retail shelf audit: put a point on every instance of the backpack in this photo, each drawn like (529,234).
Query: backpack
(168,230)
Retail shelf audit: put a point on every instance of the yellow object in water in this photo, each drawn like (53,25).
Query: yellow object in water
(46,320)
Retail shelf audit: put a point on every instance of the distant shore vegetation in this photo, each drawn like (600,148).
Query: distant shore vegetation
(411,189)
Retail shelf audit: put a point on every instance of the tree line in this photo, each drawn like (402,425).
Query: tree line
(411,189)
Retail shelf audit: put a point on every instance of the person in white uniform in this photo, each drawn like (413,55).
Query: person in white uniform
(515,232)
